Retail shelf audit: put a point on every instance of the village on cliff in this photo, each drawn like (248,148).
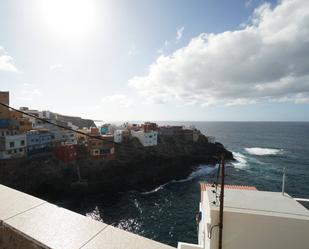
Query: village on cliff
(25,136)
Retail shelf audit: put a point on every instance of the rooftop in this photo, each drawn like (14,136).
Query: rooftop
(247,199)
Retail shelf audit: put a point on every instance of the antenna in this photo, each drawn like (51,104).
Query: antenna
(283,180)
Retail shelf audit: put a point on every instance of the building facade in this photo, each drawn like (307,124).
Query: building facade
(66,152)
(102,148)
(121,135)
(38,141)
(5,99)
(170,130)
(149,138)
(12,144)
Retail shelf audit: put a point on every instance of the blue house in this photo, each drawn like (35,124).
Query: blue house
(38,141)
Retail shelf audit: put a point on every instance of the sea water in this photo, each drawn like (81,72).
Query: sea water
(167,213)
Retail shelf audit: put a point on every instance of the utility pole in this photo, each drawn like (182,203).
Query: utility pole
(221,201)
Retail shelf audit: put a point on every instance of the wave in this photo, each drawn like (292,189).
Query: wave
(257,151)
(200,171)
(241,160)
(156,189)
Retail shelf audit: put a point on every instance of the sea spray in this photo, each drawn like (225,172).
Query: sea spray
(241,160)
(257,151)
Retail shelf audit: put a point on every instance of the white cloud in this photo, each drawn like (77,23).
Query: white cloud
(117,100)
(6,62)
(179,33)
(265,61)
(56,66)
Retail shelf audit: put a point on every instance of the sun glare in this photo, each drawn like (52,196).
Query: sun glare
(69,17)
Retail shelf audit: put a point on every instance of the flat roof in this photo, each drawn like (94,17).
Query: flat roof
(244,200)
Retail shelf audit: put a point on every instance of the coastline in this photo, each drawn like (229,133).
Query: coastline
(135,168)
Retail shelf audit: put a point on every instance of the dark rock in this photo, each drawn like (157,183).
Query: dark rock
(134,168)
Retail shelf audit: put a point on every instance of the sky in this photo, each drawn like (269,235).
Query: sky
(207,60)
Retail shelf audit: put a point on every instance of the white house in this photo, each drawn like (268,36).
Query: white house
(13,146)
(251,219)
(149,138)
(118,136)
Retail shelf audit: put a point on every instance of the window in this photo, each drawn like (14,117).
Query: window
(20,150)
(22,142)
(15,151)
(12,144)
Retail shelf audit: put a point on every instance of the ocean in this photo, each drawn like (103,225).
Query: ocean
(167,213)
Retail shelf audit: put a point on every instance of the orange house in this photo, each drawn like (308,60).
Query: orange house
(101,149)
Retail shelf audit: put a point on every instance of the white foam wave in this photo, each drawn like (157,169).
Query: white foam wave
(257,151)
(155,190)
(200,171)
(241,160)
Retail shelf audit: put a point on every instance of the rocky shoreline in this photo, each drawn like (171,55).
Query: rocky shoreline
(134,168)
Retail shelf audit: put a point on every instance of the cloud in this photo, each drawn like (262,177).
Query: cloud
(179,33)
(6,62)
(265,61)
(56,66)
(117,100)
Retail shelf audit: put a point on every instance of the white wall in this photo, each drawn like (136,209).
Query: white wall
(17,140)
(146,138)
(19,148)
(243,230)
(118,136)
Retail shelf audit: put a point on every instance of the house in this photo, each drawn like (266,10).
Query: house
(191,135)
(149,138)
(100,146)
(107,129)
(82,138)
(251,219)
(12,144)
(5,99)
(6,124)
(38,141)
(121,135)
(66,152)
(24,124)
(148,126)
(170,130)
(47,115)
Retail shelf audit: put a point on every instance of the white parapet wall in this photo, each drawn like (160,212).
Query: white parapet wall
(182,245)
(27,222)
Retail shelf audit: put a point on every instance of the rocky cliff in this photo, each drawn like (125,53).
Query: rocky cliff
(134,168)
(78,121)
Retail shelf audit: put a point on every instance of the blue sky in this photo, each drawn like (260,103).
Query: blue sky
(157,60)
